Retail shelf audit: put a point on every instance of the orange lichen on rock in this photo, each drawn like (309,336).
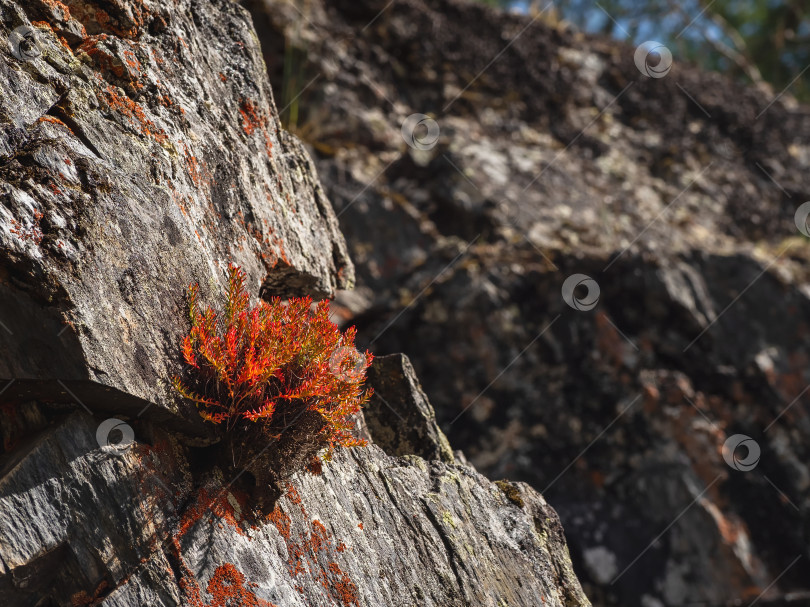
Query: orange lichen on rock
(311,549)
(45,24)
(251,121)
(227,585)
(132,110)
(343,587)
(60,11)
(65,44)
(275,252)
(132,61)
(54,120)
(29,234)
(103,60)
(281,520)
(313,552)
(219,506)
(197,169)
(105,22)
(295,498)
(179,199)
(278,244)
(91,15)
(157,58)
(227,588)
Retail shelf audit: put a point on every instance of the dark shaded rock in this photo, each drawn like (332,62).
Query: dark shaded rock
(557,156)
(399,416)
(267,463)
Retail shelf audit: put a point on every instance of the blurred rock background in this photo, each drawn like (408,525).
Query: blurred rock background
(676,195)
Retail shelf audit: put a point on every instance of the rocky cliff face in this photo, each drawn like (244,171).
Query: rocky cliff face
(140,150)
(542,154)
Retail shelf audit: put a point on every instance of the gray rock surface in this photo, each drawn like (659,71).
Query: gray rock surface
(137,526)
(140,150)
(135,158)
(399,416)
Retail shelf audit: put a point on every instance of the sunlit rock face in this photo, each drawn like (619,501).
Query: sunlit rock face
(131,168)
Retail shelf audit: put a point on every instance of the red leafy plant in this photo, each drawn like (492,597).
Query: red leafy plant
(279,371)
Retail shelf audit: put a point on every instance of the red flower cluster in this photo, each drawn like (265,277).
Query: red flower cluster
(271,363)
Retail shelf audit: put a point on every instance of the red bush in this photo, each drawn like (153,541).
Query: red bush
(271,363)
